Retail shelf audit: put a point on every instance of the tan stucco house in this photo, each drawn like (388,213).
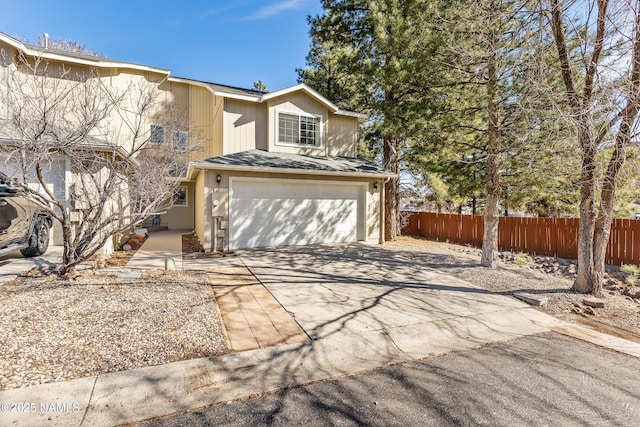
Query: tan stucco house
(275,168)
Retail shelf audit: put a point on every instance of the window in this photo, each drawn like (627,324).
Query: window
(180,197)
(157,134)
(180,140)
(299,130)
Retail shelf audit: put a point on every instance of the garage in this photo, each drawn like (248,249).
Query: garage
(267,212)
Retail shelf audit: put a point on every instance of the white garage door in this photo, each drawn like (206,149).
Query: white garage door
(280,212)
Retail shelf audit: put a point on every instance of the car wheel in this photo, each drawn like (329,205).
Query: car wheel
(39,239)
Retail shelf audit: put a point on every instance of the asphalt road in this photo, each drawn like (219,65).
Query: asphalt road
(545,379)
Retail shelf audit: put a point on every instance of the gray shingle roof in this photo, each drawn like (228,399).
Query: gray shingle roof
(228,89)
(259,159)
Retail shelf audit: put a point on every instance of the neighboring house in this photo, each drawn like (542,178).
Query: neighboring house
(276,168)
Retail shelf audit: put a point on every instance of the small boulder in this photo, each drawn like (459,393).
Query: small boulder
(593,302)
(531,299)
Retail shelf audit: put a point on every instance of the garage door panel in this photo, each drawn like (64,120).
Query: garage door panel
(275,214)
(244,190)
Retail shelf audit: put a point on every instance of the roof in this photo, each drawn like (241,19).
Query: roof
(250,95)
(253,95)
(221,89)
(79,58)
(264,161)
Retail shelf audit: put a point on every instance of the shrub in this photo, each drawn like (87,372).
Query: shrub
(522,259)
(632,272)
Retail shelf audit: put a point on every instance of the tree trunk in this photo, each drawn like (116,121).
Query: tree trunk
(490,237)
(68,267)
(602,229)
(390,160)
(491,218)
(584,280)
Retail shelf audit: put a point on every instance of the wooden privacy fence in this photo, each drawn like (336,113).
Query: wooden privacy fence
(556,237)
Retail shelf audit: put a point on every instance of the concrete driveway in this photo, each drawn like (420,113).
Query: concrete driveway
(14,263)
(355,289)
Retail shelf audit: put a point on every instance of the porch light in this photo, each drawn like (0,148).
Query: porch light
(218,179)
(375,185)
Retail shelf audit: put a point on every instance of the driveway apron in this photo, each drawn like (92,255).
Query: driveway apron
(359,288)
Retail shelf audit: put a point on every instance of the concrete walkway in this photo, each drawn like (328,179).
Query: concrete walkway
(159,246)
(365,307)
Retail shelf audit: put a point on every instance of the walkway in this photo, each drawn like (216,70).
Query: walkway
(251,315)
(156,249)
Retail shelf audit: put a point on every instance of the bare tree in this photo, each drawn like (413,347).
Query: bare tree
(95,134)
(599,57)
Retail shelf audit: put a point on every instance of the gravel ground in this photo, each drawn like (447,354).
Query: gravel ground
(54,329)
(620,316)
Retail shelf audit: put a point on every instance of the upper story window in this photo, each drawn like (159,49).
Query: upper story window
(299,129)
(157,134)
(179,139)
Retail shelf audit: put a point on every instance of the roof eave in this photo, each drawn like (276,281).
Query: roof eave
(303,87)
(351,114)
(60,56)
(214,91)
(264,169)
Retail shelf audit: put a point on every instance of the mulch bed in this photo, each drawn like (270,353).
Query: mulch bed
(192,249)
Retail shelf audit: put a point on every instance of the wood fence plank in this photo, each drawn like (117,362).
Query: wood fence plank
(556,237)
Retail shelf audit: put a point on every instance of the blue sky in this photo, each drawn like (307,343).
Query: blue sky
(232,42)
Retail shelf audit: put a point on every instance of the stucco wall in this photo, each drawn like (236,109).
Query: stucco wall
(199,210)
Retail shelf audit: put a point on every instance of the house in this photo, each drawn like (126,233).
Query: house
(273,168)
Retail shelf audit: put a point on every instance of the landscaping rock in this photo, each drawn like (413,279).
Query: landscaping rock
(593,302)
(531,299)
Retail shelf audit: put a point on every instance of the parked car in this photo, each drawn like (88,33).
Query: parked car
(24,222)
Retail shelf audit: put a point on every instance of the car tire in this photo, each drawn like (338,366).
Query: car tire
(39,239)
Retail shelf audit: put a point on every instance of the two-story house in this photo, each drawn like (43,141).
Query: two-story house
(275,168)
(282,170)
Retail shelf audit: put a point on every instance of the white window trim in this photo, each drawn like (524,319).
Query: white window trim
(301,114)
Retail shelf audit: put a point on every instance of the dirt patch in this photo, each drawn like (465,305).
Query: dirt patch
(120,257)
(620,316)
(192,249)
